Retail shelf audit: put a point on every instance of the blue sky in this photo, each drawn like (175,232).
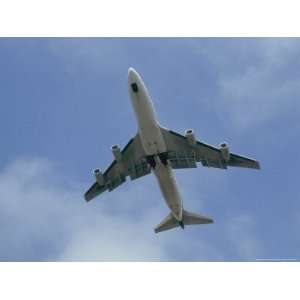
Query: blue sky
(65,102)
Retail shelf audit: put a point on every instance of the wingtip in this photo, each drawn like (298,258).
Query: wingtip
(86,198)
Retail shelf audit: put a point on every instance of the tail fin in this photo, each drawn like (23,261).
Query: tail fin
(188,218)
(167,223)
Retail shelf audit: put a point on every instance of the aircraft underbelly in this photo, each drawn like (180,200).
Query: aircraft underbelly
(149,130)
(154,144)
(168,187)
(152,139)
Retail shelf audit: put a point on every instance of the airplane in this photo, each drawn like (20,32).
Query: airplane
(159,150)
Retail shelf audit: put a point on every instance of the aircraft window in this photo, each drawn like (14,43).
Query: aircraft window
(134,87)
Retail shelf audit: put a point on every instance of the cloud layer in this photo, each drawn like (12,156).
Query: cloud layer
(49,220)
(44,217)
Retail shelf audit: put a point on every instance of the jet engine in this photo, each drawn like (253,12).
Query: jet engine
(225,151)
(117,153)
(99,176)
(189,134)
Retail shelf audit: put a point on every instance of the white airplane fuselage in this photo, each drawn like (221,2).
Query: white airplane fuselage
(153,142)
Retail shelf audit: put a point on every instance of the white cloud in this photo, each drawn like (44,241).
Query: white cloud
(43,217)
(115,240)
(266,88)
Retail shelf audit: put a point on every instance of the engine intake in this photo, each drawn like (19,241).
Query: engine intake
(189,134)
(225,151)
(99,176)
(117,153)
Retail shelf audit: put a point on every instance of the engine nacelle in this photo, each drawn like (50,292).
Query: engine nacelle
(225,151)
(189,134)
(116,152)
(99,176)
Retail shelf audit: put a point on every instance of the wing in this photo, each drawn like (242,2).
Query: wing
(182,155)
(133,164)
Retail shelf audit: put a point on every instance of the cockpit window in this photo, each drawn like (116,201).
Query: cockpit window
(134,87)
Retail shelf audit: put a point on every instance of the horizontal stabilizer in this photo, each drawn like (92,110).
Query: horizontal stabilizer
(167,223)
(188,218)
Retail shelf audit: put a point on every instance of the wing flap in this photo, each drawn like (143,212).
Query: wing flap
(138,170)
(208,155)
(132,164)
(182,160)
(114,182)
(94,191)
(241,161)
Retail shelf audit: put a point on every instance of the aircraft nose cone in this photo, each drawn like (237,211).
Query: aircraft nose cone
(131,70)
(132,75)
